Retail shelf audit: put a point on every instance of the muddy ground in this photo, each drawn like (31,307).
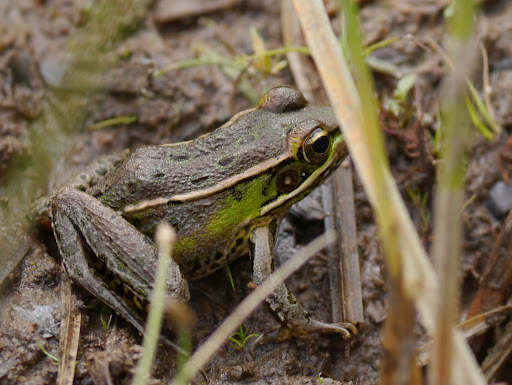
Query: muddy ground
(184,103)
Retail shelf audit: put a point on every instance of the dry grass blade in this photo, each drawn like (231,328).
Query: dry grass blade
(399,239)
(69,335)
(480,323)
(487,87)
(246,307)
(399,360)
(165,238)
(450,191)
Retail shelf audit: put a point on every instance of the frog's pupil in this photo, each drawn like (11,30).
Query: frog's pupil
(321,144)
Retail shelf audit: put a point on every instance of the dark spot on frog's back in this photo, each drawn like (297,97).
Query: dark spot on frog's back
(226,161)
(179,157)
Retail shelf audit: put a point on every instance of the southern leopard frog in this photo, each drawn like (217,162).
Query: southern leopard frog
(225,194)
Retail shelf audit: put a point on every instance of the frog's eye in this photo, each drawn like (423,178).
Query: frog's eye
(315,148)
(283,99)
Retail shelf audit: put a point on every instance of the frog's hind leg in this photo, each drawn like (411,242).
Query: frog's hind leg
(90,234)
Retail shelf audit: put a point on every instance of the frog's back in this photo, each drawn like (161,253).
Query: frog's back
(153,172)
(241,146)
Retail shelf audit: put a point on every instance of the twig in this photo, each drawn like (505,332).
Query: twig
(347,244)
(69,334)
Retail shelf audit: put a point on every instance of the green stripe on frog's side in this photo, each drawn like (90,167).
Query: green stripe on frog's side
(218,187)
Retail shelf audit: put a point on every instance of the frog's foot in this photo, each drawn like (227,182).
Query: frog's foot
(346,329)
(283,333)
(297,321)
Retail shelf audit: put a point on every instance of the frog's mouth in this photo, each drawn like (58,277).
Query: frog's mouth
(316,178)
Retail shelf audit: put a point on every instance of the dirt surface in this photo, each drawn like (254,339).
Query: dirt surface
(185,103)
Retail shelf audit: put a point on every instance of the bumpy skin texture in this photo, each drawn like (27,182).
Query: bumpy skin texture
(217,191)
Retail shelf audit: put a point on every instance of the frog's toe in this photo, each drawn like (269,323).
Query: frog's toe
(346,329)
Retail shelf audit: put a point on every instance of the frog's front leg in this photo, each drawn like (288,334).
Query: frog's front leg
(99,247)
(283,304)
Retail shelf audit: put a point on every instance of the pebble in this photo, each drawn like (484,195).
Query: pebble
(499,201)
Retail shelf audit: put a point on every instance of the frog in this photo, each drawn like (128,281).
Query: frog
(225,194)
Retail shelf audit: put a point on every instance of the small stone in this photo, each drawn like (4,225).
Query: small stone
(499,201)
